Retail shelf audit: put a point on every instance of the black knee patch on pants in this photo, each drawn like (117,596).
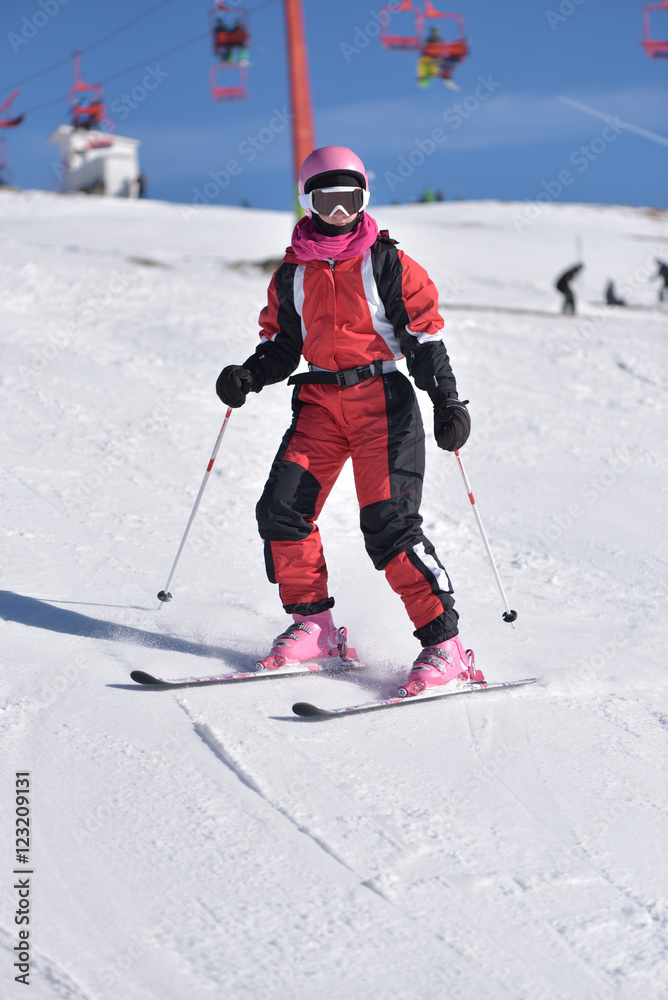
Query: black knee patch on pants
(286,508)
(390,527)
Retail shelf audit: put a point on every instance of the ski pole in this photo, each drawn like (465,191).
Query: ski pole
(508,615)
(164,595)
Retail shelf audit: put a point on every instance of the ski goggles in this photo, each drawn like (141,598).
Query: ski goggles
(327,201)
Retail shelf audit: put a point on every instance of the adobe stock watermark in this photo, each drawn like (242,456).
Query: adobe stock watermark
(619,463)
(485,438)
(32,24)
(565,10)
(645,272)
(247,327)
(113,971)
(60,682)
(631,282)
(122,108)
(482,434)
(363,36)
(585,329)
(454,117)
(118,454)
(59,341)
(248,150)
(124,105)
(593,667)
(581,158)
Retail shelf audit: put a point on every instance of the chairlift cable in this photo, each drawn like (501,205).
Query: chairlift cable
(124,72)
(89,48)
(141,65)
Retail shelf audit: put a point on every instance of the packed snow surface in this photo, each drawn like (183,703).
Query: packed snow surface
(206,843)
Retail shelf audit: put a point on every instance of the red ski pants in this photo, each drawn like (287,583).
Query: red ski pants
(377,424)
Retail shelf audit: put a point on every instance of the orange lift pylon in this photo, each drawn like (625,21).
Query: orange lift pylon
(303,135)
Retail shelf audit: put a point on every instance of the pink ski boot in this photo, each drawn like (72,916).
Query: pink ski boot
(311,639)
(439,664)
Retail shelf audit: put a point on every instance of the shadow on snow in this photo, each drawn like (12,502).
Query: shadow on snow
(39,614)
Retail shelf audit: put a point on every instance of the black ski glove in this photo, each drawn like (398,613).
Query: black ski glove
(233,385)
(452,423)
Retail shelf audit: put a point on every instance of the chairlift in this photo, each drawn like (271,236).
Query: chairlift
(404,42)
(438,57)
(3,163)
(654,47)
(435,47)
(5,120)
(230,39)
(86,100)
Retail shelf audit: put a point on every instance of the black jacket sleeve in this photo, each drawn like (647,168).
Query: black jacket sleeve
(275,358)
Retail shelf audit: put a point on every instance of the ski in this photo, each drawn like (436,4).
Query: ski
(306,710)
(289,670)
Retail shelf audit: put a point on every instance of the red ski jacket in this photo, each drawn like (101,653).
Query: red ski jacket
(378,306)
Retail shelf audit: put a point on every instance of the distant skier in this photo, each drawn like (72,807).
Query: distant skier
(611,298)
(351,304)
(231,42)
(439,59)
(662,273)
(563,285)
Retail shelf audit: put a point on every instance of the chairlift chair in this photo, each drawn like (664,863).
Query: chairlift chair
(226,92)
(230,44)
(86,100)
(405,42)
(455,50)
(654,47)
(5,120)
(3,162)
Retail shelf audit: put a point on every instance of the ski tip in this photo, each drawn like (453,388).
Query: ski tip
(143,678)
(308,711)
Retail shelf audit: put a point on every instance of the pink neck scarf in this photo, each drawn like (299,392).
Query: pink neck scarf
(309,244)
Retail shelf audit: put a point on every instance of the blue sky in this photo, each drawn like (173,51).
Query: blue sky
(517,124)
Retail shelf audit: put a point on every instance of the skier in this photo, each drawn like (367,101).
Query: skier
(231,41)
(562,285)
(429,67)
(662,273)
(439,58)
(351,303)
(611,298)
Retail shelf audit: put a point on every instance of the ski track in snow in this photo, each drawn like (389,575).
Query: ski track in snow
(208,844)
(311,790)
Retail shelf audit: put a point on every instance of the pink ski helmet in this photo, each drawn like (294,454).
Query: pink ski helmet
(331,166)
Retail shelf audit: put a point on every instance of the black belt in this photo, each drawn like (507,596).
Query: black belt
(349,376)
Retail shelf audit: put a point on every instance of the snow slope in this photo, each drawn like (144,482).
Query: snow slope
(205,843)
